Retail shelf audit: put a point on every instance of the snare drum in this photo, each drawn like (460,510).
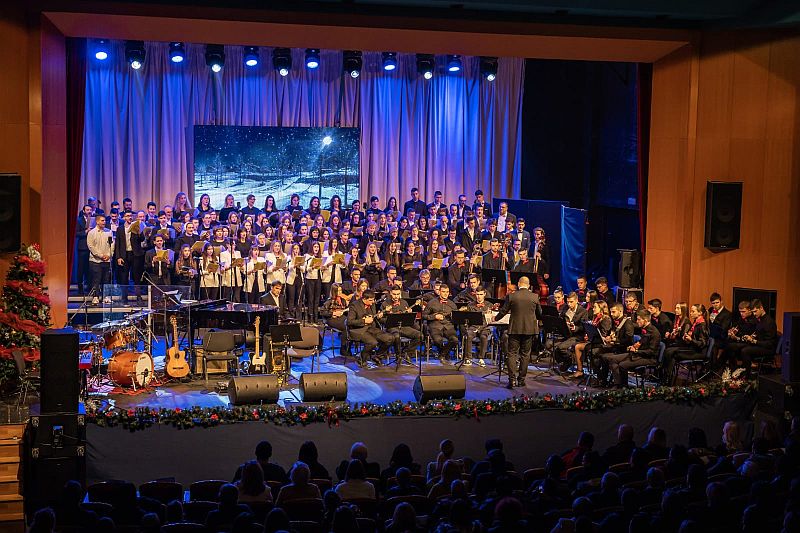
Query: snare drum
(129,368)
(118,338)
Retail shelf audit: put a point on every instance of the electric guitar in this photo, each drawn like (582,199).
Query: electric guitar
(177,365)
(259,358)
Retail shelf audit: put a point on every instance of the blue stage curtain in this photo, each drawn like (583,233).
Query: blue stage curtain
(454,133)
(573,246)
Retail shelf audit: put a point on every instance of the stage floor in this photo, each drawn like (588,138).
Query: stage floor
(379,385)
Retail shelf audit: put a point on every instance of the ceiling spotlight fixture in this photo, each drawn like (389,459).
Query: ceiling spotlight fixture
(215,57)
(453,63)
(425,65)
(488,68)
(251,56)
(389,61)
(351,63)
(176,52)
(282,60)
(134,54)
(312,58)
(101,49)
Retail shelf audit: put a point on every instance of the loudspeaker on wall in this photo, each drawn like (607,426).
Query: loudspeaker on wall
(10,212)
(723,215)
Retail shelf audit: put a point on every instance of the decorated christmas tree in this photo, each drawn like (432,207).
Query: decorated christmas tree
(24,311)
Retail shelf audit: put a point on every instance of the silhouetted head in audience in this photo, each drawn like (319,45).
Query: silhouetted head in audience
(697,438)
(657,438)
(331,500)
(460,514)
(493,444)
(447,447)
(655,477)
(276,520)
(585,440)
(582,506)
(451,471)
(640,523)
(72,494)
(105,525)
(689,526)
(44,520)
(508,511)
(150,523)
(300,473)
(717,494)
(401,456)
(263,451)
(173,512)
(252,482)
(609,482)
(678,460)
(359,451)
(403,477)
(696,478)
(228,495)
(593,464)
(344,520)
(243,523)
(630,501)
(458,489)
(639,460)
(355,470)
(554,466)
(308,453)
(404,517)
(624,433)
(673,505)
(753,519)
(497,461)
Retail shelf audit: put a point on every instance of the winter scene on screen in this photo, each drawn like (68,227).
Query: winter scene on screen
(240,160)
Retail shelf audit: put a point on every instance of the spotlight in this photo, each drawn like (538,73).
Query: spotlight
(282,60)
(176,52)
(101,49)
(312,57)
(489,68)
(453,63)
(351,62)
(251,56)
(327,140)
(425,65)
(134,54)
(389,61)
(215,57)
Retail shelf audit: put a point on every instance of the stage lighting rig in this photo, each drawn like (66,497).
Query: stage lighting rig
(215,57)
(134,54)
(101,49)
(312,58)
(389,61)
(282,60)
(251,56)
(351,63)
(425,65)
(453,63)
(488,68)
(176,52)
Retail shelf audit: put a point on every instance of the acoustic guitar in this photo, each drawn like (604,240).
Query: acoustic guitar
(177,365)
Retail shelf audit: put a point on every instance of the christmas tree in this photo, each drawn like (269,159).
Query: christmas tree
(24,311)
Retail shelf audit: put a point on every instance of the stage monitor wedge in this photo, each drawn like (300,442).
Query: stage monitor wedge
(10,212)
(323,387)
(439,387)
(255,389)
(723,215)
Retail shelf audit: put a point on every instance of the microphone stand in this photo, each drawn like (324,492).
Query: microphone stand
(83,307)
(302,297)
(146,277)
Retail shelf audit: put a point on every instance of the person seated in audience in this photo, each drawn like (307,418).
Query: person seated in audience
(652,491)
(403,485)
(639,462)
(173,512)
(450,472)
(621,451)
(277,521)
(151,523)
(404,520)
(698,446)
(574,457)
(486,465)
(401,457)
(434,469)
(229,508)
(359,452)
(508,517)
(344,519)
(299,488)
(44,521)
(272,471)
(694,488)
(251,486)
(355,485)
(656,445)
(309,455)
(68,511)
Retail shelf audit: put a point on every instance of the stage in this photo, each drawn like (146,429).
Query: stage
(215,452)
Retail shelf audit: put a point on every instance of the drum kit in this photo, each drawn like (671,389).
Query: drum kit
(127,365)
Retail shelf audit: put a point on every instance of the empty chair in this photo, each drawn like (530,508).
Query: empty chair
(162,491)
(309,346)
(219,346)
(206,490)
(197,511)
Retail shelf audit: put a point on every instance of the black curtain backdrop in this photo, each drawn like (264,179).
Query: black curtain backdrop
(528,437)
(581,138)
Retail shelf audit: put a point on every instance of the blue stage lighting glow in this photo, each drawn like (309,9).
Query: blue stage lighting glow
(453,63)
(312,58)
(389,61)
(427,75)
(283,71)
(101,55)
(176,52)
(327,140)
(101,49)
(251,56)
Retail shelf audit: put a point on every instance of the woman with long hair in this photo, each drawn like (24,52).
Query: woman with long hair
(277,263)
(254,285)
(423,225)
(209,275)
(335,223)
(293,280)
(601,319)
(203,206)
(185,272)
(331,273)
(180,206)
(314,208)
(412,261)
(294,204)
(335,204)
(269,205)
(435,250)
(392,208)
(247,226)
(373,264)
(243,242)
(252,488)
(692,345)
(680,325)
(230,275)
(313,281)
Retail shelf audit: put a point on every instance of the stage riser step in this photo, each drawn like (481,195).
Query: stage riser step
(11,431)
(12,523)
(9,449)
(11,507)
(9,488)
(9,469)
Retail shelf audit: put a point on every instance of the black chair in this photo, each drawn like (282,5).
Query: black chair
(162,491)
(650,372)
(206,490)
(220,346)
(197,511)
(701,363)
(183,527)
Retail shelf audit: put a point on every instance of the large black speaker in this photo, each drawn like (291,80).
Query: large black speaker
(723,215)
(245,390)
(439,387)
(59,371)
(630,269)
(777,398)
(790,349)
(767,297)
(323,386)
(10,212)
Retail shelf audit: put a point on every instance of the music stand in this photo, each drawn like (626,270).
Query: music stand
(550,310)
(464,319)
(552,325)
(516,275)
(494,277)
(288,333)
(399,320)
(416,294)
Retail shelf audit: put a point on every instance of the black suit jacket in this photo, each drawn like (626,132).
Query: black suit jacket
(419,207)
(80,232)
(766,333)
(580,315)
(523,305)
(723,319)
(269,299)
(648,343)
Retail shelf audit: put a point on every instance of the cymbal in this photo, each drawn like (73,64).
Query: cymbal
(139,315)
(110,324)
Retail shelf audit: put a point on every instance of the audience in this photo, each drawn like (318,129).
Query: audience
(251,486)
(309,456)
(359,452)
(299,488)
(355,484)
(272,471)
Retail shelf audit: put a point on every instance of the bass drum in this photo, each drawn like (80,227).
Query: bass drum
(131,368)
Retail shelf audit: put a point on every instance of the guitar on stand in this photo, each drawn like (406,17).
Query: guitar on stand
(177,365)
(259,359)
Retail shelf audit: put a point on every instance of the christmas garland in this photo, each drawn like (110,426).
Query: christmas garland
(332,414)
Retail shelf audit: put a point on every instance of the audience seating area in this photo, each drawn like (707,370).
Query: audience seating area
(631,486)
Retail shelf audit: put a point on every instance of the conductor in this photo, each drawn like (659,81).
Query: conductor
(523,305)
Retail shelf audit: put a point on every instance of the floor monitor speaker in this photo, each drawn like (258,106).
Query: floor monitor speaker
(323,386)
(248,390)
(439,387)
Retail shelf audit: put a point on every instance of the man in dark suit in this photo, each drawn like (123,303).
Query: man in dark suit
(719,316)
(643,352)
(521,234)
(762,343)
(159,270)
(362,326)
(416,204)
(470,234)
(479,200)
(82,229)
(123,254)
(574,315)
(276,297)
(523,305)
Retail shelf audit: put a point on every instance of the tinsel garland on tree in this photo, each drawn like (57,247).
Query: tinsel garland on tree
(332,414)
(24,310)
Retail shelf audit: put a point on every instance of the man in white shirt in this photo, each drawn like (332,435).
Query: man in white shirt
(100,241)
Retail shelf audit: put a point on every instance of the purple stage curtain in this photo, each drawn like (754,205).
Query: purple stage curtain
(454,133)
